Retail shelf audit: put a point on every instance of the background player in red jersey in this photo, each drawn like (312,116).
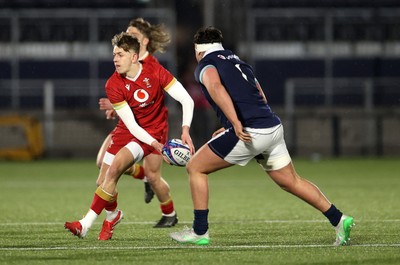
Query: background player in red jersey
(152,38)
(136,91)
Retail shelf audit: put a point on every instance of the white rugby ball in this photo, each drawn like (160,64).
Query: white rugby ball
(177,153)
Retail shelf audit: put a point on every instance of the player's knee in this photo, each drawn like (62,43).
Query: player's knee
(285,187)
(194,169)
(190,167)
(290,184)
(130,171)
(113,173)
(152,176)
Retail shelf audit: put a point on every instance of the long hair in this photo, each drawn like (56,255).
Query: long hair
(157,34)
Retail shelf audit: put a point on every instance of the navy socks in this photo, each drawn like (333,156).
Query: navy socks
(334,215)
(200,223)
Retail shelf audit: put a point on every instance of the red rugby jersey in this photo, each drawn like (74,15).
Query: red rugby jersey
(145,95)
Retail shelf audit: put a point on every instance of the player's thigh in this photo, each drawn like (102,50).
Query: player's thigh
(152,165)
(206,161)
(122,161)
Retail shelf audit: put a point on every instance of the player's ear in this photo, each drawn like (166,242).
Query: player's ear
(135,57)
(198,55)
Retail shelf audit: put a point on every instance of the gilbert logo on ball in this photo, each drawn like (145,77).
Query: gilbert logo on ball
(177,153)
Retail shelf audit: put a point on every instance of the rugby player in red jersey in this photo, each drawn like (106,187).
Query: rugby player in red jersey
(152,38)
(136,91)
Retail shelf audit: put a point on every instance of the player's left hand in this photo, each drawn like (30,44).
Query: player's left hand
(243,136)
(105,104)
(186,139)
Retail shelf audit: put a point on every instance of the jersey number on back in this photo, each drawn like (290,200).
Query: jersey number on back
(243,75)
(257,84)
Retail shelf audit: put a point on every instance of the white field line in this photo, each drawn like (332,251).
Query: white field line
(237,247)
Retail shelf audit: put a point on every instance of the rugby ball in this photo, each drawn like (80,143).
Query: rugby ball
(177,153)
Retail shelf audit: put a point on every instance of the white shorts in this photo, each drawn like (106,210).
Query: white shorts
(133,147)
(267,147)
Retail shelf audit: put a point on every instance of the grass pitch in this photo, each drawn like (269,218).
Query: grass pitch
(252,221)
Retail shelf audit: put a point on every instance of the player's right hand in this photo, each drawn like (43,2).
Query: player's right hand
(220,130)
(111,114)
(156,145)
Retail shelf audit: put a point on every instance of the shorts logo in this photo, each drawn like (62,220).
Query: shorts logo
(141,95)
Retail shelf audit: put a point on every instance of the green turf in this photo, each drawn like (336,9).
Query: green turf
(252,221)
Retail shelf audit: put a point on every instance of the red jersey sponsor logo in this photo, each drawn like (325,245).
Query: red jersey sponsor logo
(141,95)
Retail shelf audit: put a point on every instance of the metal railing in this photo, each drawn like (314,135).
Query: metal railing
(69,34)
(308,98)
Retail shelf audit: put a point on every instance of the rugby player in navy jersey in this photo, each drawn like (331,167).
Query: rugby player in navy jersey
(250,130)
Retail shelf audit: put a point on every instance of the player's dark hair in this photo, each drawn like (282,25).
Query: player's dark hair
(157,35)
(126,42)
(208,35)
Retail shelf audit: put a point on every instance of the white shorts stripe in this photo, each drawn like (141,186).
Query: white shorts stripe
(133,147)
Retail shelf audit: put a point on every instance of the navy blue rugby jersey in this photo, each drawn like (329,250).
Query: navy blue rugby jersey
(239,80)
